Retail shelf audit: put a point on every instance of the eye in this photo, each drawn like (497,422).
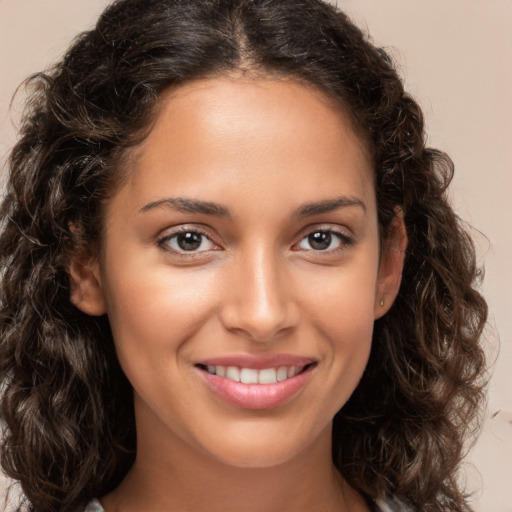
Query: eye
(323,240)
(187,241)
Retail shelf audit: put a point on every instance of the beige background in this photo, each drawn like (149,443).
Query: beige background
(456,57)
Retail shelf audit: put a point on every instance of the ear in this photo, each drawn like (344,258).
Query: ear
(391,265)
(86,292)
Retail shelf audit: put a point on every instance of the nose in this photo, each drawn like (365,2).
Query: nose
(258,302)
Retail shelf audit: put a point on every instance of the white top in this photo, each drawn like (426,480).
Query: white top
(389,506)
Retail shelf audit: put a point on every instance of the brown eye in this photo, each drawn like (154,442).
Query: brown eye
(320,241)
(324,240)
(187,241)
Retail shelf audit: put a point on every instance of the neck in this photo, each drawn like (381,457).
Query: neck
(175,476)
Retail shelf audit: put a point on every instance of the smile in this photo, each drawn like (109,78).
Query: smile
(252,382)
(254,376)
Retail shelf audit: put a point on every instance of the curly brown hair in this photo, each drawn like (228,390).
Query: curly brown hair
(66,406)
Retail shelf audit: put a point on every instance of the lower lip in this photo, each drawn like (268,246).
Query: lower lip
(256,396)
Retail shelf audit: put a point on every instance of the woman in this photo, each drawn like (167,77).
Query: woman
(231,279)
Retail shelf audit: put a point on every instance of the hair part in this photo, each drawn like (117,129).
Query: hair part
(66,406)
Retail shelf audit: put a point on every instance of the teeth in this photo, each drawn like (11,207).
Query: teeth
(233,373)
(248,376)
(292,371)
(252,376)
(282,373)
(267,376)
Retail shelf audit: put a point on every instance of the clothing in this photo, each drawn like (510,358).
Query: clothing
(390,505)
(94,506)
(380,506)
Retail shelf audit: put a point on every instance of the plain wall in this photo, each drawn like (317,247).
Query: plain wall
(456,57)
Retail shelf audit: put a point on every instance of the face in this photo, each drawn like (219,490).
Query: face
(241,269)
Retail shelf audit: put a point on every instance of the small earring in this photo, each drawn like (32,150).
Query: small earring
(382,302)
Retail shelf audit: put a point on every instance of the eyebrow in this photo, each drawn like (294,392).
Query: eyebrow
(329,205)
(186,205)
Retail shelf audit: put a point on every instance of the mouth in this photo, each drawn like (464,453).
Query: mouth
(263,376)
(247,382)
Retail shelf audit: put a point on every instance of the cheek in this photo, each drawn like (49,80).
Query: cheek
(342,312)
(351,341)
(155,311)
(342,298)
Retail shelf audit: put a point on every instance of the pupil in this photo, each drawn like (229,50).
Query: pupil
(320,240)
(189,241)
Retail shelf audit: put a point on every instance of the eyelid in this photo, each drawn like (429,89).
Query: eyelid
(186,228)
(344,234)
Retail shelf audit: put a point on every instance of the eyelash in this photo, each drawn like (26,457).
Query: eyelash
(163,242)
(344,240)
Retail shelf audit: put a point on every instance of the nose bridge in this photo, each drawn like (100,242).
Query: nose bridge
(259,304)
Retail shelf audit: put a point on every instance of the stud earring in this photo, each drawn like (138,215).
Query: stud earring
(382,302)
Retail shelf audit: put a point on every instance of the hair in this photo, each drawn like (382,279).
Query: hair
(66,406)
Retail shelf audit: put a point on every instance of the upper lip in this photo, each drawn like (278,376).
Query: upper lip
(257,362)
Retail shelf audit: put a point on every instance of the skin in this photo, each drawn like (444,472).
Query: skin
(260,149)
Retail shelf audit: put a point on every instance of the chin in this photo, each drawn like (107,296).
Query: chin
(260,447)
(255,457)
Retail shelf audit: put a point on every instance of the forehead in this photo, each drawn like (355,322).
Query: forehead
(251,136)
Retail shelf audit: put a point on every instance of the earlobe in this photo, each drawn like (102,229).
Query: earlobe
(391,265)
(86,292)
